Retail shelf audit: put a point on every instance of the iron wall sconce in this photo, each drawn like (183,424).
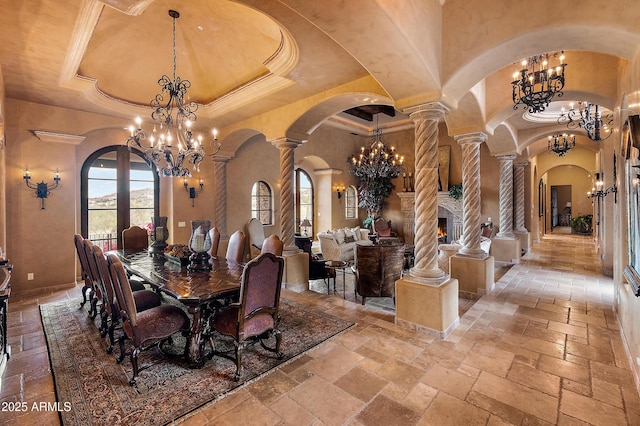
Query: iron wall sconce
(339,190)
(42,189)
(599,191)
(193,193)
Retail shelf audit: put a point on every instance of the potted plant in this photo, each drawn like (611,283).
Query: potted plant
(582,224)
(455,191)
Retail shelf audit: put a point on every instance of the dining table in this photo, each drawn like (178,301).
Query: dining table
(199,291)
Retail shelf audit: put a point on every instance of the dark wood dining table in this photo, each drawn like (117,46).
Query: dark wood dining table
(197,290)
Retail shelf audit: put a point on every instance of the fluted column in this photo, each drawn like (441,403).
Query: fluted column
(506,196)
(287,199)
(518,178)
(220,176)
(426,120)
(470,144)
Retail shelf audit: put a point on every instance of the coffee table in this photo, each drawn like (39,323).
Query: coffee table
(334,265)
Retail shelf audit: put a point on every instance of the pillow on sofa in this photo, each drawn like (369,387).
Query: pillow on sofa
(349,235)
(339,235)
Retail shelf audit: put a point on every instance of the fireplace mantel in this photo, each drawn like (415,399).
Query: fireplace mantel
(407,206)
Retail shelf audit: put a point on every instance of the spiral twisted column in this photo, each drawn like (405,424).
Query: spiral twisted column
(426,120)
(506,197)
(220,177)
(470,144)
(287,200)
(518,178)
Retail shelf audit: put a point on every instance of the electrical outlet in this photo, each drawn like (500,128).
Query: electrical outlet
(182,224)
(30,276)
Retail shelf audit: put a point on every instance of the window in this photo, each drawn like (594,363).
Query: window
(351,202)
(118,190)
(262,203)
(304,199)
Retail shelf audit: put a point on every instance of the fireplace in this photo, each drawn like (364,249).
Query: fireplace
(449,210)
(442,230)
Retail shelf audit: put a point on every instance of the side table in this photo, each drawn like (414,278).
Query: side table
(334,265)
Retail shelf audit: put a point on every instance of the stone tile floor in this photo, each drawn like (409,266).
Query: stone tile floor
(543,348)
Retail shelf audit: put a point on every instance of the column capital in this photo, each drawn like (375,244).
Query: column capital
(507,157)
(475,137)
(220,158)
(285,142)
(431,110)
(520,164)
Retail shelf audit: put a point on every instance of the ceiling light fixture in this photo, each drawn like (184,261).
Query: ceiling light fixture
(378,160)
(535,85)
(589,117)
(172,141)
(561,144)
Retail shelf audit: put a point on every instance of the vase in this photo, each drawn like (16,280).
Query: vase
(200,245)
(159,234)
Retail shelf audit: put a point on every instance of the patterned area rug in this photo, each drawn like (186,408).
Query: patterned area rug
(97,387)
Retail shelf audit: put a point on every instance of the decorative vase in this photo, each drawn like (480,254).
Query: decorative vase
(200,245)
(159,234)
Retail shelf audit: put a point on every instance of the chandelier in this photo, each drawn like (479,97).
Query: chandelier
(588,117)
(172,144)
(377,160)
(561,144)
(537,83)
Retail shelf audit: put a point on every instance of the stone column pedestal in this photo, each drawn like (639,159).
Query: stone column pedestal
(427,308)
(475,276)
(525,240)
(506,250)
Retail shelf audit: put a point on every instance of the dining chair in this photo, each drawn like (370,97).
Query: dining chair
(135,238)
(145,299)
(146,328)
(214,235)
(255,317)
(273,244)
(87,287)
(96,294)
(235,249)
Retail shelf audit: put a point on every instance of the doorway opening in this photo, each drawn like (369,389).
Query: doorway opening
(560,206)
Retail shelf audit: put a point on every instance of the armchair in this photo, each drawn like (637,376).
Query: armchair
(255,317)
(383,228)
(377,269)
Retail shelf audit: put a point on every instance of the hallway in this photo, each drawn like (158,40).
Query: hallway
(543,348)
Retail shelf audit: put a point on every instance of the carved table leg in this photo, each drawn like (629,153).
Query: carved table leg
(193,350)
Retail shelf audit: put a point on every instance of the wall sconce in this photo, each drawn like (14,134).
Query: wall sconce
(339,190)
(193,193)
(598,191)
(306,225)
(42,189)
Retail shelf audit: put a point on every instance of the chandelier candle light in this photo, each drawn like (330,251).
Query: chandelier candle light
(589,117)
(561,144)
(172,141)
(535,85)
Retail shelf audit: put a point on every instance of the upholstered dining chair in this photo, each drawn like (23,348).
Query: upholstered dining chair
(255,317)
(273,244)
(152,326)
(254,231)
(87,287)
(145,299)
(98,292)
(214,235)
(135,238)
(377,269)
(235,249)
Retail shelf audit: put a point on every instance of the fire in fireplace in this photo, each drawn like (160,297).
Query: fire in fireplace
(442,230)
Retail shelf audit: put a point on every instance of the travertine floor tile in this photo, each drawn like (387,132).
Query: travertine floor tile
(590,410)
(449,411)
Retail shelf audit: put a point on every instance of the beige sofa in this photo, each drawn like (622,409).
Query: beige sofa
(338,244)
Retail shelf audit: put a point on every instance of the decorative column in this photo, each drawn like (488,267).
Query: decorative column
(220,176)
(471,231)
(506,196)
(518,177)
(287,200)
(426,191)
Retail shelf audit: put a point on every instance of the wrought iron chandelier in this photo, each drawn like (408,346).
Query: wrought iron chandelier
(589,117)
(172,144)
(535,85)
(377,160)
(561,144)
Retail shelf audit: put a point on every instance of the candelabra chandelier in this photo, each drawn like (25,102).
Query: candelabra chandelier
(589,117)
(535,85)
(561,144)
(377,160)
(172,145)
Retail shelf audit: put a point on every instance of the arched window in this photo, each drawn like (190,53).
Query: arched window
(262,202)
(304,200)
(351,202)
(118,189)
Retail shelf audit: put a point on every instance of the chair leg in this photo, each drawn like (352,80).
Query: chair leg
(278,335)
(363,300)
(111,332)
(134,364)
(104,322)
(84,295)
(239,348)
(93,311)
(122,352)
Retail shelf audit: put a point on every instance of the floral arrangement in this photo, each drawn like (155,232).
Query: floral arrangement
(178,250)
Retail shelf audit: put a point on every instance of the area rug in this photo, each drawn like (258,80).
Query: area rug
(93,389)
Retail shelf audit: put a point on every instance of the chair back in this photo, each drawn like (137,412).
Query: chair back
(122,288)
(382,227)
(105,279)
(235,249)
(378,268)
(82,258)
(273,244)
(260,294)
(135,238)
(254,231)
(214,235)
(92,268)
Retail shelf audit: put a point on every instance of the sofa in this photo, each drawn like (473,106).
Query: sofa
(338,244)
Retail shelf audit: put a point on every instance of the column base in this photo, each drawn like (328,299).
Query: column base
(429,309)
(505,251)
(296,270)
(475,276)
(525,240)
